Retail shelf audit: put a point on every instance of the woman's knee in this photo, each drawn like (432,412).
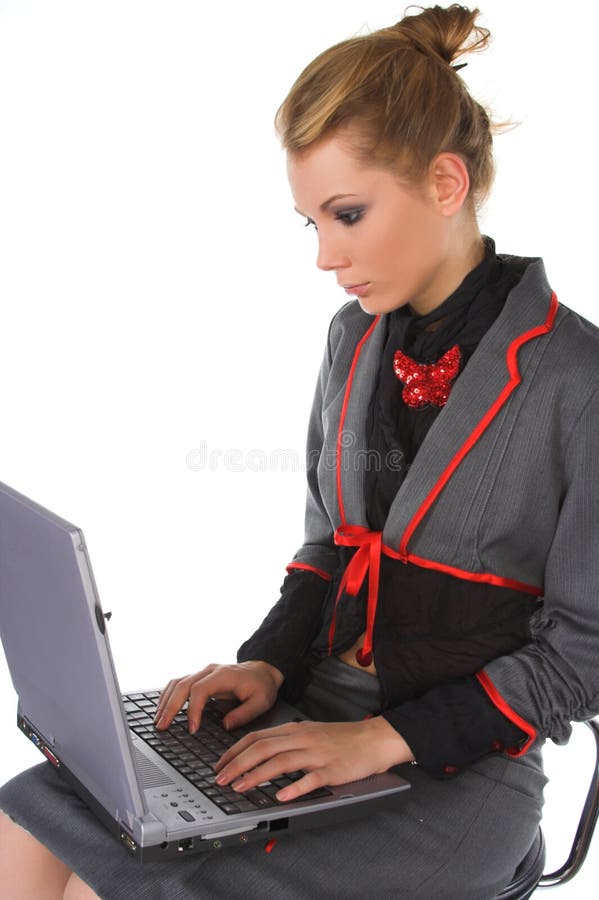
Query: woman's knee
(77,889)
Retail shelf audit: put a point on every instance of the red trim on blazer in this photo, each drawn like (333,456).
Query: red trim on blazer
(488,577)
(516,378)
(508,712)
(369,543)
(298,565)
(348,387)
(367,558)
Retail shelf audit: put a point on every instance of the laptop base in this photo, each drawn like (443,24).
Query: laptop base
(165,850)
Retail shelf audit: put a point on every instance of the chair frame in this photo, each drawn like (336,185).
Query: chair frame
(529,875)
(586,825)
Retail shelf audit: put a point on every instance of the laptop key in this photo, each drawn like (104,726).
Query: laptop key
(260,799)
(270,790)
(246,806)
(230,808)
(317,792)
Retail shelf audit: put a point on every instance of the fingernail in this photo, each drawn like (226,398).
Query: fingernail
(239,785)
(193,727)
(220,779)
(281,795)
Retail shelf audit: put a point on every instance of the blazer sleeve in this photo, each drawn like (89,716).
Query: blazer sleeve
(554,679)
(452,725)
(518,700)
(285,635)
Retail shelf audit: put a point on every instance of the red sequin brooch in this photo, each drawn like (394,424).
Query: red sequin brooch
(427,383)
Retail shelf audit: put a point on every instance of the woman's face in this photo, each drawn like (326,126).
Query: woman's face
(408,246)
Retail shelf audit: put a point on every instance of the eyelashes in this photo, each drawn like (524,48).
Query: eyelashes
(348,218)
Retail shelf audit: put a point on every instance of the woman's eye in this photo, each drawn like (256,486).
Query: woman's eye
(351,217)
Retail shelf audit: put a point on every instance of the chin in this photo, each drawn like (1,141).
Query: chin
(367,307)
(372,308)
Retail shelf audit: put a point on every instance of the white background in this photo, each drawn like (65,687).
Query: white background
(159,295)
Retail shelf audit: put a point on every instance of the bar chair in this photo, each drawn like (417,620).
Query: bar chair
(529,875)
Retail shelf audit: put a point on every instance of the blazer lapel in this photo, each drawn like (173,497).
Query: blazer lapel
(491,375)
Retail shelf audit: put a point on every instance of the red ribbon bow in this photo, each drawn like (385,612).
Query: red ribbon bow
(427,383)
(367,558)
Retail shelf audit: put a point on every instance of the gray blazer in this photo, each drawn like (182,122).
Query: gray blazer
(504,488)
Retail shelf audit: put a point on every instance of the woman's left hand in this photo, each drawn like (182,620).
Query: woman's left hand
(329,752)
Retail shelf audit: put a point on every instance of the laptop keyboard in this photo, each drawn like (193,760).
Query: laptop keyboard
(195,755)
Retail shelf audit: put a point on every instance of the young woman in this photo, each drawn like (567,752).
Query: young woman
(440,616)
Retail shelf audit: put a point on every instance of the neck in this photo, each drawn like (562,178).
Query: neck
(449,277)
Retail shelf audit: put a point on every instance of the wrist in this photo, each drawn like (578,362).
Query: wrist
(394,748)
(275,673)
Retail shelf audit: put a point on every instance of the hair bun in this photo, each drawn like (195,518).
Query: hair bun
(443,31)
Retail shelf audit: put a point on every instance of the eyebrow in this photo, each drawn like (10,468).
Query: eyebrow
(324,206)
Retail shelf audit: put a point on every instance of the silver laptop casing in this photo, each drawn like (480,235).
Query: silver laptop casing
(56,643)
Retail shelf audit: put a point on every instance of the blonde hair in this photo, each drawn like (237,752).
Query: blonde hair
(395,101)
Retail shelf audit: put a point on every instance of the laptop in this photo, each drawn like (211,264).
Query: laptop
(155,790)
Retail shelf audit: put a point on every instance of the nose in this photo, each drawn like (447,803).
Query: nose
(330,257)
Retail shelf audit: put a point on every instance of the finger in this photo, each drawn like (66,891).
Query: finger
(173,703)
(245,712)
(178,693)
(258,753)
(165,697)
(168,690)
(273,768)
(221,681)
(310,782)
(248,739)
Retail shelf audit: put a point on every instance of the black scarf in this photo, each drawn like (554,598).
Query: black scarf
(396,430)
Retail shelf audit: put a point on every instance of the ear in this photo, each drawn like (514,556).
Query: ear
(449,182)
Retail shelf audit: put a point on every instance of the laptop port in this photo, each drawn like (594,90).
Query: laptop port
(53,759)
(185,844)
(128,841)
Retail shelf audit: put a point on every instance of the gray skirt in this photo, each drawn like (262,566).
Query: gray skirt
(456,839)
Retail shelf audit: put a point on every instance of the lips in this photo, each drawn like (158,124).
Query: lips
(358,290)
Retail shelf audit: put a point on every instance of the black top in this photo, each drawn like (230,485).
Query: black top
(445,628)
(463,319)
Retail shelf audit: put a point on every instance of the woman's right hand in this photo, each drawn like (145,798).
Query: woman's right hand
(254,683)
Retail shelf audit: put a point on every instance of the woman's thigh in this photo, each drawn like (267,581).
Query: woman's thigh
(458,839)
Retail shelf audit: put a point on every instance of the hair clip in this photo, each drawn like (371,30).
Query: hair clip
(461,66)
